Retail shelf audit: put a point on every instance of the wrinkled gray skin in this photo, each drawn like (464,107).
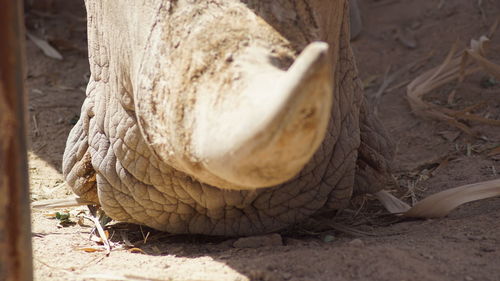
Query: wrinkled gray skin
(109,158)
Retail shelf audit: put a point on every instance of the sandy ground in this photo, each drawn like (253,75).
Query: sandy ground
(361,243)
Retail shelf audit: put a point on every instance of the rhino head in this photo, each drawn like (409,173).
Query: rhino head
(224,117)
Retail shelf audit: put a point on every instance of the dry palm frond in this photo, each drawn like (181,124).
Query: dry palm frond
(61,203)
(454,68)
(442,203)
(391,203)
(119,277)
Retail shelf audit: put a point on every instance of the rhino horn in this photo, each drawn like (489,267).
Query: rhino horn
(273,132)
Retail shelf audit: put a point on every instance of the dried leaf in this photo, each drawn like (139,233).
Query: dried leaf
(91,249)
(51,215)
(47,49)
(136,251)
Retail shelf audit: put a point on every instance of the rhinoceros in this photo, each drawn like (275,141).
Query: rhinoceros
(223,117)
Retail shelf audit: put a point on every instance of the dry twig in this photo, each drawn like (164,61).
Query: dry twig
(101,232)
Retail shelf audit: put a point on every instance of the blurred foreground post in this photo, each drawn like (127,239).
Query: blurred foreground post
(15,230)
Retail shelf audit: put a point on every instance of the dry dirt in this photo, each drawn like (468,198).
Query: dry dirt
(360,243)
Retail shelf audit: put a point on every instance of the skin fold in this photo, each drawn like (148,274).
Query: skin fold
(223,117)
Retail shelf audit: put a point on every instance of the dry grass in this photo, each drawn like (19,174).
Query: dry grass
(456,67)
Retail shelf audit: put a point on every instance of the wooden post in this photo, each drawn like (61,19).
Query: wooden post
(15,225)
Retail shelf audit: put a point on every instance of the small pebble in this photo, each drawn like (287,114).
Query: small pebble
(357,243)
(328,238)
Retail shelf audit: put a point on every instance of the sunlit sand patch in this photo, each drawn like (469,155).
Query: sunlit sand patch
(46,182)
(168,268)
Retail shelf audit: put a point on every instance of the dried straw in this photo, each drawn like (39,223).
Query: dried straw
(456,66)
